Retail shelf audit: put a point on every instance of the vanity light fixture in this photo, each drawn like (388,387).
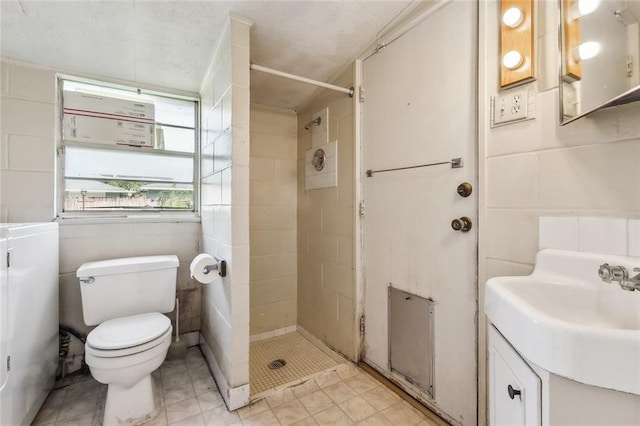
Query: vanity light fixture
(517,39)
(512,17)
(583,7)
(571,11)
(512,59)
(586,50)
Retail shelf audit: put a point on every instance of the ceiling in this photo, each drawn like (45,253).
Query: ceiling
(170,43)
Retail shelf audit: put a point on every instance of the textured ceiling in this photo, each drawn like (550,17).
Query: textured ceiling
(170,43)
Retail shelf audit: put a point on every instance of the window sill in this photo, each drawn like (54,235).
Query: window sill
(133,218)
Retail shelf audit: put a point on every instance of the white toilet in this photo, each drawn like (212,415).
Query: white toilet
(127,297)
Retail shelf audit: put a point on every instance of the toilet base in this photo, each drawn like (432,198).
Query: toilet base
(132,405)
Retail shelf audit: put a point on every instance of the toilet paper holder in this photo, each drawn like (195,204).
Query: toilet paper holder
(220,266)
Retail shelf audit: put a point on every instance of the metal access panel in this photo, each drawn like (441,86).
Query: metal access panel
(411,338)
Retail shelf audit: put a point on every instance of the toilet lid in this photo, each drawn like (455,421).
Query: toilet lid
(130,331)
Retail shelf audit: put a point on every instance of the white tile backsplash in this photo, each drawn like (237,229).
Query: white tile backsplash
(603,235)
(617,236)
(558,233)
(633,235)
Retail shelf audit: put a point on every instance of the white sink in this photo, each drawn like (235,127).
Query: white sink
(564,319)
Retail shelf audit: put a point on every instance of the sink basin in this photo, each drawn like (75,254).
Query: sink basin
(564,319)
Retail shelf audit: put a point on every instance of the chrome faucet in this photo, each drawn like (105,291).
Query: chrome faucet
(608,273)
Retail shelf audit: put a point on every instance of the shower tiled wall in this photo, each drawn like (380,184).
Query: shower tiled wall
(273,182)
(224,188)
(326,217)
(27,163)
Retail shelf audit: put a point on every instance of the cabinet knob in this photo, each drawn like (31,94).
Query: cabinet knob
(513,392)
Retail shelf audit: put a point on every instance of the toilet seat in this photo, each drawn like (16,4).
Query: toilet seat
(128,335)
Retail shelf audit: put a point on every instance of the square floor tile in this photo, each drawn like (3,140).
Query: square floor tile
(183,409)
(357,409)
(381,398)
(221,417)
(332,416)
(316,402)
(340,392)
(265,418)
(290,413)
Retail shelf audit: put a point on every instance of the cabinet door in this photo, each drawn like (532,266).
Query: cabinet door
(514,388)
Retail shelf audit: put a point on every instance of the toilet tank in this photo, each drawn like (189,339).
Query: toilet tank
(129,286)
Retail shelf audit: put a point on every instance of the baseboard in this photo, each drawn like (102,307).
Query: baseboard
(234,398)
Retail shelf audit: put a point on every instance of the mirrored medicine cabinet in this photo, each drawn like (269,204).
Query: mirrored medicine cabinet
(600,62)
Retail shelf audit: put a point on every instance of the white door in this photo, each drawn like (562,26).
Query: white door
(420,108)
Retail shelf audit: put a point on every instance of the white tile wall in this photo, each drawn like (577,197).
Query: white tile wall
(617,236)
(603,235)
(538,169)
(27,114)
(225,229)
(558,233)
(273,242)
(326,280)
(633,228)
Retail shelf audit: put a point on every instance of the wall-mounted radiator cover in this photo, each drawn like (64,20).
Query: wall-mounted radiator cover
(411,338)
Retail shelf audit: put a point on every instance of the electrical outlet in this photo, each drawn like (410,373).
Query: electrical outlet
(510,106)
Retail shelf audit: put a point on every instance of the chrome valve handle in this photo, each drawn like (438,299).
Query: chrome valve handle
(604,272)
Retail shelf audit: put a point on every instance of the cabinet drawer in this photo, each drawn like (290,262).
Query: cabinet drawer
(514,388)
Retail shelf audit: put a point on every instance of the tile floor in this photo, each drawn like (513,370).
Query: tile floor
(303,360)
(188,395)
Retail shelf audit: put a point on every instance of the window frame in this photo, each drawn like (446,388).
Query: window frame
(122,215)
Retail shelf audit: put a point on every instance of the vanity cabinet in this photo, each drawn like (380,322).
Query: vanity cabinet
(514,388)
(549,399)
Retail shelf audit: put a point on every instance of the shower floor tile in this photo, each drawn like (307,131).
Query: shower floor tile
(303,360)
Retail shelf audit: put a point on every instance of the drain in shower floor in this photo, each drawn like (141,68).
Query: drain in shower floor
(277,363)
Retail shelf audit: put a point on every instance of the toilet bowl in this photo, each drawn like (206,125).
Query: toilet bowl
(123,353)
(125,298)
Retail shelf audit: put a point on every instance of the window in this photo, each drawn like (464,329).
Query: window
(126,150)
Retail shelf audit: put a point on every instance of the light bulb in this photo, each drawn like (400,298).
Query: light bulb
(512,59)
(583,7)
(512,17)
(586,51)
(587,6)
